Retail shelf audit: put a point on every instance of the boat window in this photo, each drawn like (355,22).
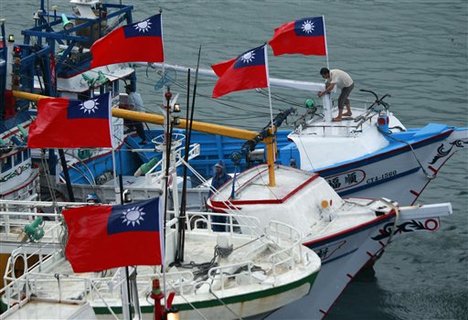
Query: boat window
(86,95)
(17,158)
(6,164)
(25,154)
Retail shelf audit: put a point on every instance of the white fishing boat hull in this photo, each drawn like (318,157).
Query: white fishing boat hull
(343,256)
(19,180)
(261,273)
(399,170)
(347,235)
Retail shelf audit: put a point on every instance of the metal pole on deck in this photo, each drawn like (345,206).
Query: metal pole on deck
(269,141)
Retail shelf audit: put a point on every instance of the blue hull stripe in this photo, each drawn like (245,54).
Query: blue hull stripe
(382,156)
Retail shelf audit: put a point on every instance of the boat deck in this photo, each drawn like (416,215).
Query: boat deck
(317,209)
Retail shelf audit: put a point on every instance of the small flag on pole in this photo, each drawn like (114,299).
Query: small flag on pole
(304,36)
(138,42)
(247,71)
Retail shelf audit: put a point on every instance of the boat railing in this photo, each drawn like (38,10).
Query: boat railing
(180,281)
(19,213)
(155,173)
(36,284)
(219,276)
(233,222)
(291,238)
(13,220)
(351,127)
(19,289)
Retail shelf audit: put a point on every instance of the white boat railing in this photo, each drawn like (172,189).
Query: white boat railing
(16,214)
(351,127)
(291,255)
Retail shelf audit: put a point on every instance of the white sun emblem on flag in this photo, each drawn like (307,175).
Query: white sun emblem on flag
(143,26)
(248,57)
(308,26)
(133,216)
(89,106)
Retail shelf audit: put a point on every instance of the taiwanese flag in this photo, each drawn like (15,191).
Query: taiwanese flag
(65,123)
(103,236)
(247,71)
(141,41)
(305,36)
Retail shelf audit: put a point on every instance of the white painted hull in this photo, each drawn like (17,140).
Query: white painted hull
(400,175)
(344,256)
(346,235)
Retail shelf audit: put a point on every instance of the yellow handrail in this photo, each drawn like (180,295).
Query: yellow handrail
(196,125)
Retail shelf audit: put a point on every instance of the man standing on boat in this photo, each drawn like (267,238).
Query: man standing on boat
(135,103)
(343,81)
(220,177)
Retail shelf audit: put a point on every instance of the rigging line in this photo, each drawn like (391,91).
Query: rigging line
(186,300)
(225,305)
(306,153)
(45,167)
(276,97)
(183,86)
(176,82)
(389,135)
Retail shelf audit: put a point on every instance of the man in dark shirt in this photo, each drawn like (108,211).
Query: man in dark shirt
(220,177)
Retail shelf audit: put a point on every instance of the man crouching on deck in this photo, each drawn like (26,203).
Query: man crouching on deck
(344,82)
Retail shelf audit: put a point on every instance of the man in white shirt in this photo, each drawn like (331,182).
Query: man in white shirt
(343,81)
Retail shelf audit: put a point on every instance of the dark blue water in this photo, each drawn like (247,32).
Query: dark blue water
(414,50)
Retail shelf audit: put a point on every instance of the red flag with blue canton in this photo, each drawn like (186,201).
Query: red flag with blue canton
(65,123)
(305,36)
(247,71)
(103,236)
(140,41)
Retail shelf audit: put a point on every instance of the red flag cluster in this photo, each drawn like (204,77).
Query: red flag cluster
(249,70)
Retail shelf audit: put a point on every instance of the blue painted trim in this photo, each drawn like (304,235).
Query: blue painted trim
(382,154)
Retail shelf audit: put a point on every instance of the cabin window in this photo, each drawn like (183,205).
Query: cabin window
(26,154)
(17,158)
(83,96)
(6,164)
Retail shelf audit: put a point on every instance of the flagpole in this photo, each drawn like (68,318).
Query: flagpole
(162,63)
(167,141)
(270,140)
(326,44)
(118,189)
(268,84)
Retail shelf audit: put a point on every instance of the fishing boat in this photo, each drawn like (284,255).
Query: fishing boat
(227,275)
(370,155)
(18,177)
(259,276)
(348,235)
(60,44)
